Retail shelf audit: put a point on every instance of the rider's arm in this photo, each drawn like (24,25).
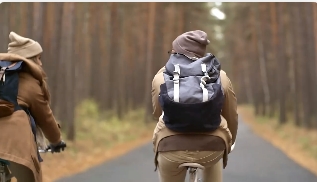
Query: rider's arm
(157,81)
(229,110)
(41,111)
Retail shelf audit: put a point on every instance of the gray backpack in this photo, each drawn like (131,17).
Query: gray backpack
(192,97)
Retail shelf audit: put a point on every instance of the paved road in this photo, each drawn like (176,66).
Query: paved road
(253,160)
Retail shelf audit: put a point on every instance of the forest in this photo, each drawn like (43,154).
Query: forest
(110,52)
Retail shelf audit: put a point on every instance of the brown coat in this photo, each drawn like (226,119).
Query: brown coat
(229,123)
(17,142)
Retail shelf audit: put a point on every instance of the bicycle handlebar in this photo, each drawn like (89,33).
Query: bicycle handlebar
(60,147)
(45,151)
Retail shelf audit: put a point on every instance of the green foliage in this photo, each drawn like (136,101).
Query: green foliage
(314,151)
(262,119)
(87,109)
(104,128)
(305,142)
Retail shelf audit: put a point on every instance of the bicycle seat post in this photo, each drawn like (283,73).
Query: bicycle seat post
(193,174)
(2,172)
(193,170)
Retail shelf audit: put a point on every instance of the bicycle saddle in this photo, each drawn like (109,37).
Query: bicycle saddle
(192,165)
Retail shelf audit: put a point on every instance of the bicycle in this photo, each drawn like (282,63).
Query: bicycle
(5,175)
(194,168)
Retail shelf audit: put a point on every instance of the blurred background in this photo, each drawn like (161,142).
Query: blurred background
(100,58)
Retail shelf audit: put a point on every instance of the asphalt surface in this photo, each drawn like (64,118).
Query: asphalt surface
(253,160)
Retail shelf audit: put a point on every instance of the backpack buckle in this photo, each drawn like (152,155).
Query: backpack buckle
(176,80)
(204,79)
(2,75)
(177,69)
(176,74)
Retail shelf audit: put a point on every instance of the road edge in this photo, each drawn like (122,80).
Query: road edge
(274,139)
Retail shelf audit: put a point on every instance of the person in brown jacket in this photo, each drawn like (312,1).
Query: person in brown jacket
(208,148)
(17,142)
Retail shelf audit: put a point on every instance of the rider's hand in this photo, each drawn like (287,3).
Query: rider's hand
(57,147)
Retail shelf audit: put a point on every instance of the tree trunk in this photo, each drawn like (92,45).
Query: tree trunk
(52,57)
(282,63)
(306,79)
(314,5)
(262,61)
(149,57)
(115,65)
(311,86)
(38,21)
(298,59)
(4,30)
(69,76)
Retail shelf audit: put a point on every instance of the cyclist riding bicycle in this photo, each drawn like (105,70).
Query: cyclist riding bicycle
(196,108)
(31,113)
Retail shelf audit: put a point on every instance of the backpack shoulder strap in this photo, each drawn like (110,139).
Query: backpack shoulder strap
(8,65)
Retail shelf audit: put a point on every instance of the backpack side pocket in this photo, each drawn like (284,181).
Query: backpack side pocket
(6,108)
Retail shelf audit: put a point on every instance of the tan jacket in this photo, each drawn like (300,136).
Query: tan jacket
(17,142)
(229,123)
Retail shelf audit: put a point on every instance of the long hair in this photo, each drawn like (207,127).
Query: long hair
(44,84)
(40,138)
